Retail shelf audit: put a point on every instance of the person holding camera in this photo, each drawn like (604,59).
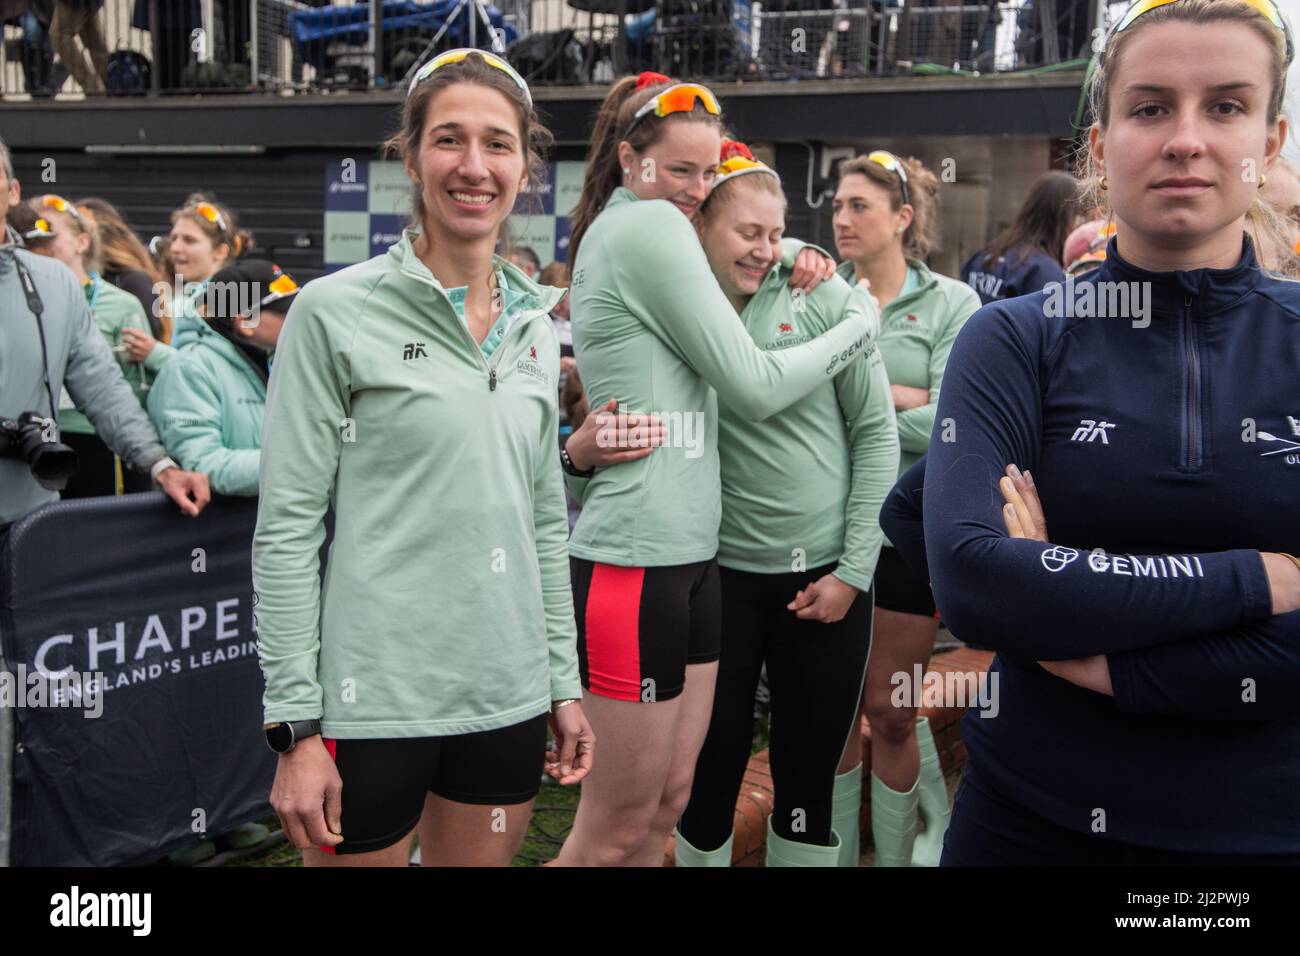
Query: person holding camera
(48,341)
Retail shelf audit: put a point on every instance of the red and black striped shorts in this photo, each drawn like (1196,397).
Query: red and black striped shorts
(639,628)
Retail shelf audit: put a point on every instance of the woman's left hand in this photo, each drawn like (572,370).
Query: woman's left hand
(138,344)
(909,396)
(575,745)
(1024,518)
(826,600)
(1090,673)
(811,269)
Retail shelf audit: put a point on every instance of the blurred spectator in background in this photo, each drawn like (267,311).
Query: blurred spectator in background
(1085,250)
(1026,256)
(557,275)
(42,77)
(61,346)
(125,262)
(209,400)
(526,259)
(80,18)
(70,238)
(1281,193)
(205,237)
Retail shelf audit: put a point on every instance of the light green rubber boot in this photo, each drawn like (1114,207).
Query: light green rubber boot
(684,854)
(932,800)
(846,812)
(783,852)
(893,823)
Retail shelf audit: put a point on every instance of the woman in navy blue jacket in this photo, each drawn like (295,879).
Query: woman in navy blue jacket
(1026,257)
(1148,652)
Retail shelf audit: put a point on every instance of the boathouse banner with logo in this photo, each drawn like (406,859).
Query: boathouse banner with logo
(131,688)
(367,202)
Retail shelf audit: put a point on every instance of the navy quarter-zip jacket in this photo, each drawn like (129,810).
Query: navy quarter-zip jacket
(1020,272)
(1167,456)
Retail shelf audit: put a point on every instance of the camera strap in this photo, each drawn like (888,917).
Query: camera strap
(37,307)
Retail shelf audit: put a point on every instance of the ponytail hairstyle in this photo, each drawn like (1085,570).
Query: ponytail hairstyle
(922,191)
(1262,221)
(239,241)
(1044,221)
(534,138)
(122,249)
(612,121)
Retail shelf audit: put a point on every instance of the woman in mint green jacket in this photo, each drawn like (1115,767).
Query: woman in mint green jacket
(204,239)
(209,400)
(414,395)
(884,217)
(71,239)
(801,492)
(653,330)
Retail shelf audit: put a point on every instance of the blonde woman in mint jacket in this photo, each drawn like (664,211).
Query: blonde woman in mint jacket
(801,492)
(415,396)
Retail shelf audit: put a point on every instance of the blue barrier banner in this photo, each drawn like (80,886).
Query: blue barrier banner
(130,667)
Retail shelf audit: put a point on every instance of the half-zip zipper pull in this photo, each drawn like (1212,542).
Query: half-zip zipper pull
(492,380)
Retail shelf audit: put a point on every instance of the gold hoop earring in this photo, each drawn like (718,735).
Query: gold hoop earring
(1104,185)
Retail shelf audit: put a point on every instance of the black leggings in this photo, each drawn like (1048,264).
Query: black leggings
(814,672)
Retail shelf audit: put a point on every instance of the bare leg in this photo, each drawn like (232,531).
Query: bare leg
(399,854)
(901,642)
(464,834)
(622,794)
(692,728)
(92,37)
(64,27)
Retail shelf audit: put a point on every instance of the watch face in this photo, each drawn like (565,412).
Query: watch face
(279,737)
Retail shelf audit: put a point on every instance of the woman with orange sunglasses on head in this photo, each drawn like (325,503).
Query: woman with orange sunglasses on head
(653,331)
(204,239)
(65,233)
(798,545)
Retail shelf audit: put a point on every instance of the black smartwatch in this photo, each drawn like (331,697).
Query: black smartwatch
(567,464)
(284,736)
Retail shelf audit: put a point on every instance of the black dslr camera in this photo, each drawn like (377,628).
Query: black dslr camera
(51,462)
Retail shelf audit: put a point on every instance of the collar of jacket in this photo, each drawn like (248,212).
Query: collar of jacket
(10,245)
(544,297)
(1215,290)
(928,281)
(205,336)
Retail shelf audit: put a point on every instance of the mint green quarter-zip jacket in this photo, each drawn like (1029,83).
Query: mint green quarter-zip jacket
(652,328)
(917,331)
(446,606)
(804,488)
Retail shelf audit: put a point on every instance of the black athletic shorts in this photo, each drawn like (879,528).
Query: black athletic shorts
(639,628)
(385,780)
(899,588)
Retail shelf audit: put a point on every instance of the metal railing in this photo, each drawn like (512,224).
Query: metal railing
(154,47)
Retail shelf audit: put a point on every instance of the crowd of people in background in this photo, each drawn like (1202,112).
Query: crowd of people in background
(646,620)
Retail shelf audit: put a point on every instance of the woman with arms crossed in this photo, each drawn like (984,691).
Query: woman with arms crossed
(1160,437)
